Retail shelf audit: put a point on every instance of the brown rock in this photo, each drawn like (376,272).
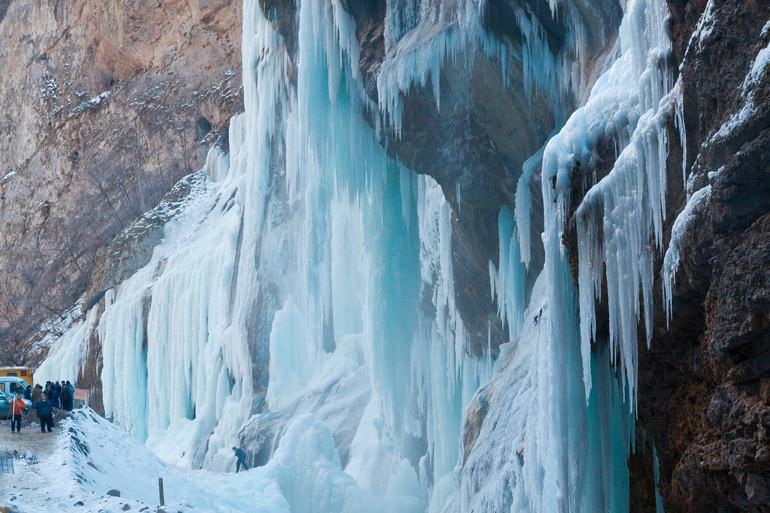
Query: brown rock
(78,171)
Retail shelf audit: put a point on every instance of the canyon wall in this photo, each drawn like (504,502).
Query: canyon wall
(105,107)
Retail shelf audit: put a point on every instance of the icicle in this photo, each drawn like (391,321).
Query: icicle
(507,284)
(629,219)
(680,125)
(678,231)
(523,204)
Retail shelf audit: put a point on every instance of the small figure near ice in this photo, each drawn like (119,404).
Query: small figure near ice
(17,410)
(241,459)
(44,413)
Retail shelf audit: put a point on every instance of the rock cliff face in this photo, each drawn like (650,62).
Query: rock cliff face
(704,383)
(105,107)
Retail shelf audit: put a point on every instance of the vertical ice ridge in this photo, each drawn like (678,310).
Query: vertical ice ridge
(507,283)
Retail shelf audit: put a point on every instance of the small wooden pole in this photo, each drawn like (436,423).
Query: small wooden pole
(160,491)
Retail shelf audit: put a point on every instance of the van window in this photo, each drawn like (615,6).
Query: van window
(10,374)
(2,386)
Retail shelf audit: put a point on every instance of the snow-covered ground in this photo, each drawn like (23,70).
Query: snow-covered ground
(87,456)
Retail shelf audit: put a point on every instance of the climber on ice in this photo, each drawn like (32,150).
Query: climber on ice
(241,459)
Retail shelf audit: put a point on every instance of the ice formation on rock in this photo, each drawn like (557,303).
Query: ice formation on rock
(306,260)
(621,216)
(308,221)
(564,421)
(678,231)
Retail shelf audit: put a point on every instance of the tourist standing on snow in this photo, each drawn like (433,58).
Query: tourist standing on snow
(66,397)
(17,410)
(54,396)
(44,413)
(37,392)
(241,459)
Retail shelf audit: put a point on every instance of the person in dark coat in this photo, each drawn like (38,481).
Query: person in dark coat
(72,393)
(67,398)
(241,460)
(53,397)
(45,413)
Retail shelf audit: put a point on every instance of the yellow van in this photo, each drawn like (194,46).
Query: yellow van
(24,373)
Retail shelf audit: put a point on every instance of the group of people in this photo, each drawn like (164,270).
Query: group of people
(56,395)
(61,395)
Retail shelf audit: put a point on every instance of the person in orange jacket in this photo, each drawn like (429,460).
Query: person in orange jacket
(17,410)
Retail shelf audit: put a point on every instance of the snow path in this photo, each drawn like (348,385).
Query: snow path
(87,456)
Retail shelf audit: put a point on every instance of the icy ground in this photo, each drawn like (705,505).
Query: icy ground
(87,456)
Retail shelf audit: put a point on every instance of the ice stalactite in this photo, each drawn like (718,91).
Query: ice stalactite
(523,205)
(675,246)
(680,125)
(421,34)
(507,283)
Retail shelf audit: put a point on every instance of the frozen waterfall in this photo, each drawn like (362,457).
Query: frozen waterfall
(304,289)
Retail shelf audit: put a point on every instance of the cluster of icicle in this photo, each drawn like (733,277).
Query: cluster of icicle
(560,422)
(620,219)
(305,217)
(421,34)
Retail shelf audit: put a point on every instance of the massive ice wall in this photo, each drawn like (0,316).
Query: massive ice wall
(308,216)
(307,261)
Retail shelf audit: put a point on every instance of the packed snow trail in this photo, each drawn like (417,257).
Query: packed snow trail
(92,457)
